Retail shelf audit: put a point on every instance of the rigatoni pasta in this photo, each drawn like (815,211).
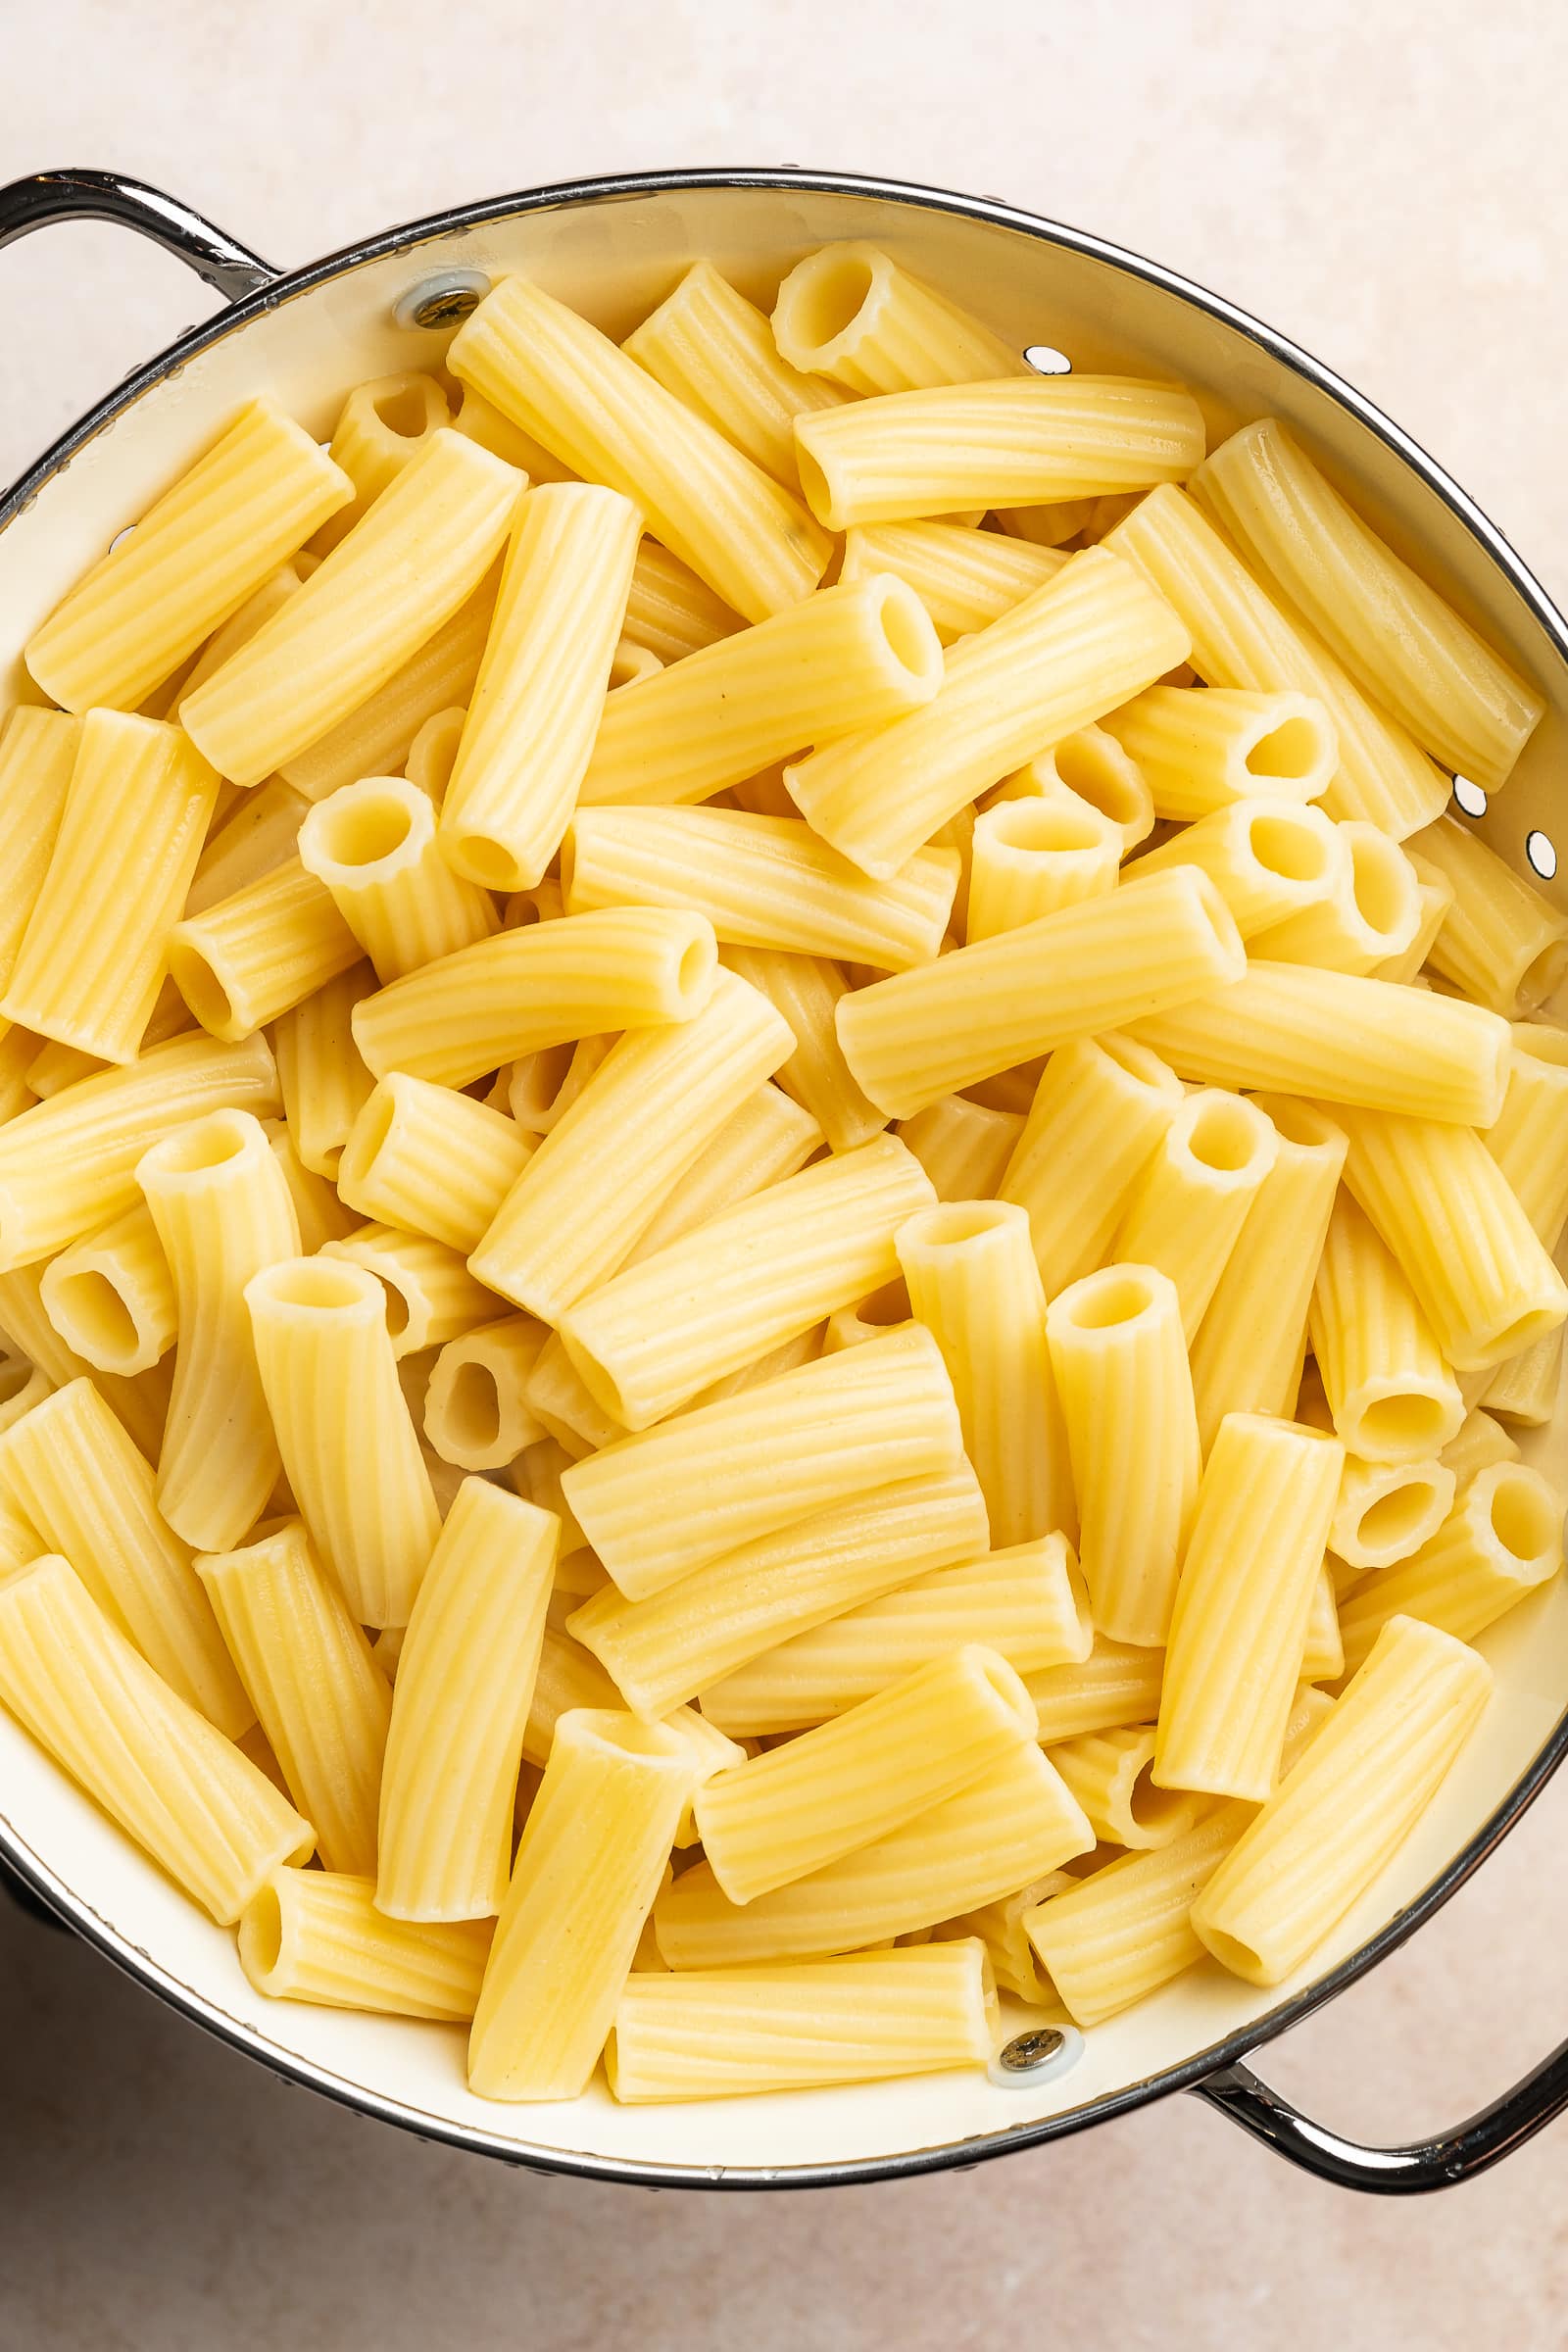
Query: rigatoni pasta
(374,845)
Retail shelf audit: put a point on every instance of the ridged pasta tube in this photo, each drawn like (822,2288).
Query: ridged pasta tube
(545,369)
(963,1147)
(1273,862)
(430,1294)
(91,961)
(465,1683)
(183,1790)
(1525,1389)
(671,612)
(84,1485)
(1097,1118)
(1187,1207)
(200,550)
(253,840)
(220,1206)
(593,1852)
(1205,750)
(242,963)
(1393,1397)
(1031,856)
(135,1403)
(374,845)
(767,1139)
(1126,1392)
(1091,766)
(922,1033)
(112,1297)
(475,1410)
(1501,1541)
(1370,917)
(430,1160)
(406,566)
(320,1073)
(1116,1684)
(1386,1510)
(37,754)
(1502,941)
(1087,641)
(379,428)
(1529,1141)
(1435,898)
(377,736)
(853,314)
(317,1936)
(966,579)
(1110,1773)
(1345,1809)
(1481,1441)
(321,1698)
(581,976)
(536,707)
(806,990)
(349,1449)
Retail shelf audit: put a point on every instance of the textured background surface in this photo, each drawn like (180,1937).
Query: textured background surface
(1385,182)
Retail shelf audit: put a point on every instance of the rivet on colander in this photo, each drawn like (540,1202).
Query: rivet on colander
(1543,856)
(444,301)
(1046,359)
(1470,797)
(1029,2058)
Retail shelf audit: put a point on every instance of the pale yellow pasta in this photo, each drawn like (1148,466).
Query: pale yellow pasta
(25,1326)
(741,1284)
(1238,1634)
(90,963)
(1084,643)
(663,1650)
(430,1294)
(1501,1541)
(84,1485)
(486,425)
(1273,862)
(318,1694)
(175,1785)
(348,1446)
(1435,897)
(593,1852)
(549,371)
(974,1284)
(944,1026)
(67,1167)
(1098,1116)
(670,612)
(21,1386)
(848,659)
(378,430)
(1026,1602)
(408,566)
(963,1147)
(1115,1684)
(433,752)
(1406,648)
(1051,525)
(261,835)
(1187,1207)
(1109,1774)
(1000,1928)
(317,1936)
(862,2018)
(221,1204)
(1089,766)
(37,754)
(1204,750)
(1370,918)
(111,1297)
(1502,941)
(568,1678)
(322,1077)
(1346,1807)
(628,968)
(1031,856)
(565,1405)
(574,1212)
(529,733)
(966,579)
(464,1685)
(1386,1510)
(853,314)
(238,630)
(1247,1358)
(1445,1208)
(716,352)
(430,1160)
(541,1088)
(1393,1397)
(1241,638)
(199,551)
(374,845)
(251,957)
(765,1460)
(1027,441)
(475,1413)
(1121,1373)
(767,1139)
(1525,1389)
(1015,1822)
(18,1048)
(377,736)
(806,990)
(1323,1656)
(1529,1141)
(1287,1027)
(1481,1441)
(760,881)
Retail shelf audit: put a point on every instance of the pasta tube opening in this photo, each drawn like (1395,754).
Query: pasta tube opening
(1299,747)
(822,301)
(91,1316)
(1386,1510)
(318,1284)
(1121,1295)
(361,828)
(1222,1134)
(1524,1514)
(1403,1426)
(260,1938)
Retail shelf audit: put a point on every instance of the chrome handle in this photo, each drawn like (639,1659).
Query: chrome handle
(1413,2166)
(47,197)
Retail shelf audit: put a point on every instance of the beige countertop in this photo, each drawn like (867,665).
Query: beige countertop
(1386,182)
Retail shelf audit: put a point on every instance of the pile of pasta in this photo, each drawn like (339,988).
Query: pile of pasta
(736,1305)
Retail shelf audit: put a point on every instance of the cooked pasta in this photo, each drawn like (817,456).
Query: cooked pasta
(318,1936)
(806,989)
(1393,1397)
(1503,1541)
(1097,1117)
(430,1160)
(477,1413)
(110,1298)
(853,314)
(1187,1209)
(373,846)
(1202,751)
(268,948)
(966,579)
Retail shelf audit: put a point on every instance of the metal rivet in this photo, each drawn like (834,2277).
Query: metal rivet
(1543,856)
(444,301)
(1031,2057)
(1046,359)
(1470,797)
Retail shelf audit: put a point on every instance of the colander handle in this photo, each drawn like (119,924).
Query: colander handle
(1415,2166)
(47,197)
